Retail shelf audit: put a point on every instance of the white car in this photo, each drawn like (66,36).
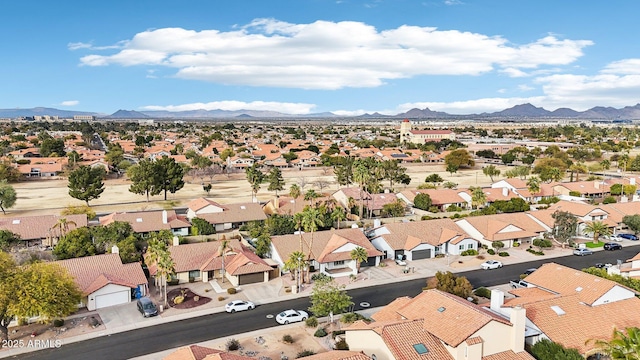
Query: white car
(291,316)
(239,305)
(491,264)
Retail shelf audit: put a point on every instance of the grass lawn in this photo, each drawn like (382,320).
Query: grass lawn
(592,245)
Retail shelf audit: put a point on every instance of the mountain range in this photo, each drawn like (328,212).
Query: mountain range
(518,112)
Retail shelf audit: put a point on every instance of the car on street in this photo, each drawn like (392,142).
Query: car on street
(239,305)
(582,252)
(491,264)
(612,246)
(603,266)
(628,237)
(291,316)
(146,307)
(530,271)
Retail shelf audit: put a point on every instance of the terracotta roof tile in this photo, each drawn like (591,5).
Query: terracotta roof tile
(235,213)
(406,236)
(509,355)
(147,221)
(40,227)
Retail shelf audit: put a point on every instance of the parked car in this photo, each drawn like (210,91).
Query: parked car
(239,305)
(603,266)
(491,264)
(146,307)
(612,246)
(611,238)
(291,316)
(628,236)
(516,284)
(530,271)
(582,252)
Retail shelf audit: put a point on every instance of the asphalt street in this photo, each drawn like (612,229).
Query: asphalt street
(185,332)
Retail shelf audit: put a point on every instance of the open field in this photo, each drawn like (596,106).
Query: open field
(36,197)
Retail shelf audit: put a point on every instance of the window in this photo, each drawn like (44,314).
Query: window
(470,246)
(341,262)
(460,247)
(194,274)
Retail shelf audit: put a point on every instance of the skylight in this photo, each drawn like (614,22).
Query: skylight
(139,220)
(243,207)
(442,309)
(420,349)
(558,310)
(16,222)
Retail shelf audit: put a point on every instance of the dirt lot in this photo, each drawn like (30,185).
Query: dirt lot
(51,195)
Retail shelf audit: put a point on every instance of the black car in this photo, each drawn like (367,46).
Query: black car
(612,246)
(146,307)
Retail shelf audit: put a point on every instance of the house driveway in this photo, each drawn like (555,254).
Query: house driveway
(121,315)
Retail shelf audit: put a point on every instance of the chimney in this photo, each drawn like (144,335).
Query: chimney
(115,249)
(518,319)
(276,202)
(596,184)
(176,241)
(497,300)
(164,217)
(505,191)
(632,181)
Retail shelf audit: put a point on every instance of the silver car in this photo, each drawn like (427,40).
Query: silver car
(582,252)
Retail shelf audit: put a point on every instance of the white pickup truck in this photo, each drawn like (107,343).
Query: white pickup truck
(516,284)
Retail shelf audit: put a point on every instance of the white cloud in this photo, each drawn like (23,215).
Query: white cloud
(453,2)
(233,105)
(626,66)
(319,55)
(525,87)
(90,46)
(70,103)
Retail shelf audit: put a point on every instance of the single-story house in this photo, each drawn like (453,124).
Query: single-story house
(330,250)
(421,239)
(507,228)
(143,222)
(105,281)
(225,217)
(45,229)
(440,198)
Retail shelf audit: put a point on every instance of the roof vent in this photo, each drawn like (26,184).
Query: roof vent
(139,220)
(558,310)
(16,222)
(243,207)
(442,309)
(579,288)
(420,349)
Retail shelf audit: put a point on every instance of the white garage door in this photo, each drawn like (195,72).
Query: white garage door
(117,298)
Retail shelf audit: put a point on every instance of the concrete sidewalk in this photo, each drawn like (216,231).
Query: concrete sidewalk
(270,292)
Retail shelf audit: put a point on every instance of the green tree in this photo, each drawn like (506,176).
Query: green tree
(546,349)
(223,249)
(452,168)
(78,210)
(39,289)
(142,178)
(329,297)
(565,225)
(127,249)
(7,240)
(158,254)
(459,158)
(114,156)
(361,175)
(344,172)
(491,171)
(294,264)
(202,226)
(51,147)
(7,196)
(255,177)
(392,171)
(263,244)
(311,220)
(597,228)
(452,284)
(8,172)
(86,183)
(276,181)
(434,178)
(338,214)
(422,201)
(533,185)
(310,196)
(478,197)
(624,345)
(168,176)
(394,209)
(359,255)
(633,222)
(77,243)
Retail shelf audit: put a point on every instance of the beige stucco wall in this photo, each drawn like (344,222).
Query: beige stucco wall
(368,342)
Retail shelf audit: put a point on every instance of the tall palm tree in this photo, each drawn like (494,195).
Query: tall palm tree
(311,220)
(361,175)
(158,254)
(222,250)
(310,196)
(597,228)
(478,196)
(624,345)
(295,265)
(298,219)
(360,255)
(294,192)
(63,225)
(338,214)
(533,185)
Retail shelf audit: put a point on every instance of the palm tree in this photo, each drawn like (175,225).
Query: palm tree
(310,196)
(338,214)
(360,255)
(624,345)
(294,192)
(533,185)
(158,254)
(63,225)
(298,219)
(361,175)
(311,220)
(597,228)
(295,264)
(478,196)
(222,250)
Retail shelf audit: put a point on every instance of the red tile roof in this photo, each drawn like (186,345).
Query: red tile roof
(41,226)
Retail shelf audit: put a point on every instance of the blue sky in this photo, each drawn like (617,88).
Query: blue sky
(308,56)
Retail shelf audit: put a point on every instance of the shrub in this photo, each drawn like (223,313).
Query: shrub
(575,193)
(311,322)
(426,217)
(304,353)
(439,256)
(351,317)
(178,299)
(320,333)
(482,292)
(503,253)
(58,322)
(232,345)
(23,321)
(231,291)
(535,252)
(470,252)
(516,244)
(382,264)
(454,208)
(433,209)
(337,332)
(220,298)
(320,276)
(287,289)
(287,339)
(497,245)
(542,243)
(341,345)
